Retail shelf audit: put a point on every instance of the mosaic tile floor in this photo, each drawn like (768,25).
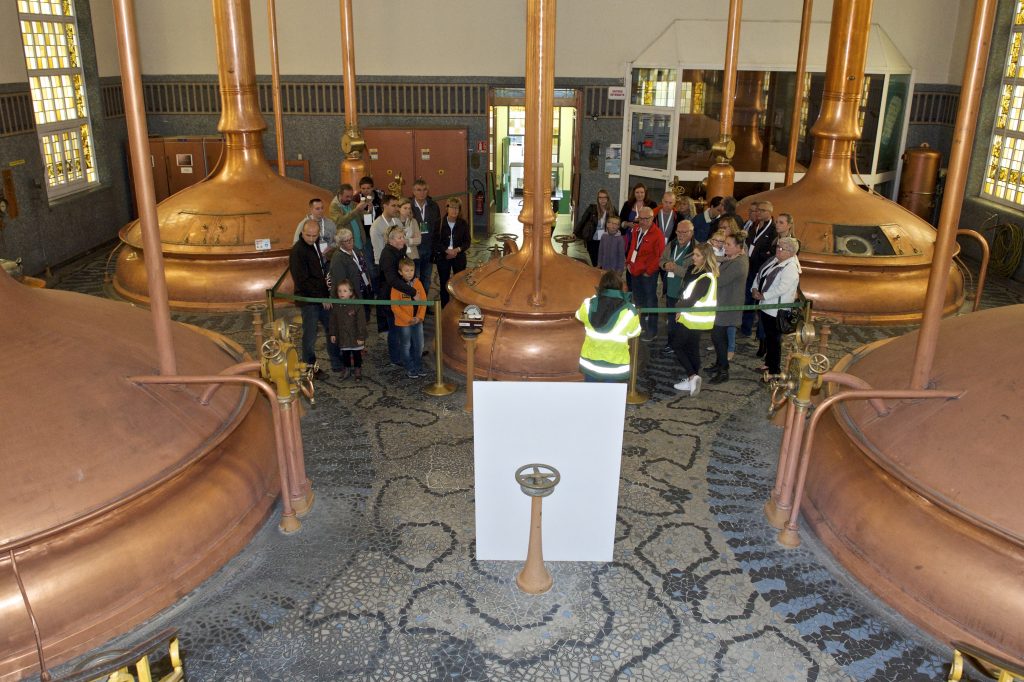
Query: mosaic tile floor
(382,582)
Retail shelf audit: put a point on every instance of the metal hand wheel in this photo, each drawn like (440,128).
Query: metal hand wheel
(540,482)
(271,349)
(820,363)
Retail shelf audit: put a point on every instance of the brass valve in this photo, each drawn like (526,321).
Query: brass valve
(280,364)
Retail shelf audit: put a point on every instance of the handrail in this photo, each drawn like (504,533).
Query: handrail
(289,522)
(789,535)
(983,268)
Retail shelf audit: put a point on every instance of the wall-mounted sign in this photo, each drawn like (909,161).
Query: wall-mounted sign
(617,92)
(263,245)
(373,154)
(613,160)
(425,154)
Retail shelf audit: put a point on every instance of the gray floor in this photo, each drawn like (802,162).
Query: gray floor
(382,582)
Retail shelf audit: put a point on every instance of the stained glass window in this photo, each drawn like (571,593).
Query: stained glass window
(49,35)
(1004,175)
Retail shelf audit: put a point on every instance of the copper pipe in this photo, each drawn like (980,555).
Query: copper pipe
(952,198)
(275,79)
(983,270)
(851,381)
(633,396)
(138,135)
(540,83)
(348,65)
(798,95)
(240,116)
(470,353)
(534,578)
(289,523)
(233,370)
(44,673)
(732,57)
(771,508)
(301,484)
(789,536)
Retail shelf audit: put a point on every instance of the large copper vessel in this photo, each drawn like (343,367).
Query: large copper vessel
(120,498)
(924,506)
(209,231)
(865,259)
(529,298)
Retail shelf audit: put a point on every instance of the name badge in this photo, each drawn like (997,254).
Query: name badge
(367,219)
(424,227)
(671,274)
(632,259)
(323,247)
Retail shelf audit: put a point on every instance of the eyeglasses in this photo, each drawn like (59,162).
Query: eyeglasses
(645,219)
(783,248)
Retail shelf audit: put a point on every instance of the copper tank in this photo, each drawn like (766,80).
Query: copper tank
(529,298)
(121,498)
(209,230)
(865,259)
(918,181)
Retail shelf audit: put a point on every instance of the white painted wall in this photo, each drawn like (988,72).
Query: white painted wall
(479,37)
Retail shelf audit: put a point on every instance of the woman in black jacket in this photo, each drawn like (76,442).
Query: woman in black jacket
(451,241)
(590,227)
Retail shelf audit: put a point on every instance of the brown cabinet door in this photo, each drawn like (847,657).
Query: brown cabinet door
(213,147)
(389,153)
(186,162)
(440,157)
(155,164)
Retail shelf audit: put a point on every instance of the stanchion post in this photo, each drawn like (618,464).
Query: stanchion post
(634,397)
(439,387)
(470,352)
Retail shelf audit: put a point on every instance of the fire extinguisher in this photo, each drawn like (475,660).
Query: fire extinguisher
(478,198)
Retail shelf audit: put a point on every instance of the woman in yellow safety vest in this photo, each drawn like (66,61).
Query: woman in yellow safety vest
(609,320)
(701,292)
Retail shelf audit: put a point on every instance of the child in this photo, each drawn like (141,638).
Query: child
(348,331)
(409,321)
(612,253)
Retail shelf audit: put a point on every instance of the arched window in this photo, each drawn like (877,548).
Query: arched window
(49,34)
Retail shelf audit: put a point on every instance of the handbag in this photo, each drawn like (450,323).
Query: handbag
(790,319)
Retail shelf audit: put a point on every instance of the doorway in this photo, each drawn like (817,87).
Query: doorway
(507,131)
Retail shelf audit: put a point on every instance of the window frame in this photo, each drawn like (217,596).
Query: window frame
(1004,156)
(59,96)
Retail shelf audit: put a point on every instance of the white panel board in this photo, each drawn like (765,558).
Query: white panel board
(574,427)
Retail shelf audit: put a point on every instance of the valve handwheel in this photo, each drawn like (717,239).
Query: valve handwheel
(271,349)
(820,363)
(540,482)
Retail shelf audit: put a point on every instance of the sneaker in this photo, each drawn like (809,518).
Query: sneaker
(412,375)
(683,385)
(424,373)
(694,385)
(720,378)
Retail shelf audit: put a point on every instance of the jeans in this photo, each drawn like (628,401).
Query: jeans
(720,339)
(671,324)
(445,269)
(315,314)
(645,294)
(410,347)
(730,333)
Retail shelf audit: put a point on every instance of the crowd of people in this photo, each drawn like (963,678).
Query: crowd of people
(369,245)
(374,246)
(702,260)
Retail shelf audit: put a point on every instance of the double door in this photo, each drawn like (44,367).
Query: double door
(438,155)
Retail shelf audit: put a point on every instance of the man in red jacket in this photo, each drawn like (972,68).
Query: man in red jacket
(645,248)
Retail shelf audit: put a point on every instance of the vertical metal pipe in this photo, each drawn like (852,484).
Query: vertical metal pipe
(798,95)
(732,57)
(138,136)
(348,64)
(952,198)
(540,85)
(275,79)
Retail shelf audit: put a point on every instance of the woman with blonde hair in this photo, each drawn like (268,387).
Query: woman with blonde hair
(701,292)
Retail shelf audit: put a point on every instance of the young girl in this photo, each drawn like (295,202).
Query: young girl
(612,250)
(348,330)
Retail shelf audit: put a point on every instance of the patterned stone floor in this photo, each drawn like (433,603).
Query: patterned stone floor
(382,582)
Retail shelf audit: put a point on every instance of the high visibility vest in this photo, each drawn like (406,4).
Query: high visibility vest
(606,354)
(700,319)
